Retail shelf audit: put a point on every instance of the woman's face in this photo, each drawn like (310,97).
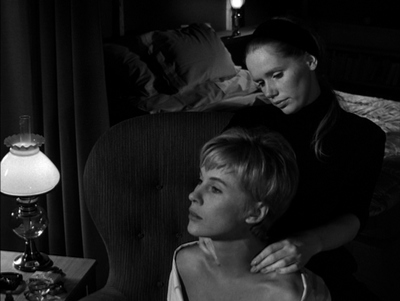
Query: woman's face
(288,83)
(218,206)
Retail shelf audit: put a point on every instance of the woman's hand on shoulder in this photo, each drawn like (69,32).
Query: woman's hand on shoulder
(286,256)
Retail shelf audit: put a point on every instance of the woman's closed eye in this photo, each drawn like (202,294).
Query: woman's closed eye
(277,75)
(215,189)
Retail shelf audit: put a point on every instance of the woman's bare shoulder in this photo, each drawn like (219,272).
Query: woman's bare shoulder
(286,287)
(188,258)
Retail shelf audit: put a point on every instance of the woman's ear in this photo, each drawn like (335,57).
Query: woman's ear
(312,62)
(257,213)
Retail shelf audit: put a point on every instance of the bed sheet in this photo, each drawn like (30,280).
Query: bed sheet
(384,112)
(224,95)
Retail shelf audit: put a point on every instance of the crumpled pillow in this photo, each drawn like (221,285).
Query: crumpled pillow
(188,56)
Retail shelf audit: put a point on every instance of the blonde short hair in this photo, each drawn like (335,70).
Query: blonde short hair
(264,162)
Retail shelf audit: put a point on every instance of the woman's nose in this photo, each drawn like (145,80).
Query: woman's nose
(270,90)
(195,196)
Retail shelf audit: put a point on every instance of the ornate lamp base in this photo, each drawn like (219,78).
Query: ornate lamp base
(29,221)
(236,22)
(32,260)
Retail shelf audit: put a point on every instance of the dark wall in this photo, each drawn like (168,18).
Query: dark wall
(373,13)
(143,16)
(173,13)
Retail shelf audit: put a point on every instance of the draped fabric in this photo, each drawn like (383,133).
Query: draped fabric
(52,70)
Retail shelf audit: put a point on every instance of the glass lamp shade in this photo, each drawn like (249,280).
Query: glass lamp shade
(25,170)
(237,4)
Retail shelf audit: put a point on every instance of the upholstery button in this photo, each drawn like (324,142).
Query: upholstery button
(140,236)
(159,186)
(160,284)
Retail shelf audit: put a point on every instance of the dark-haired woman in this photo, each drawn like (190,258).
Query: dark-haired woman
(339,156)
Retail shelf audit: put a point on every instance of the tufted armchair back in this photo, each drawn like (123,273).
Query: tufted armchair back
(136,182)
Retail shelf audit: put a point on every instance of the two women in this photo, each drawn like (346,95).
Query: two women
(247,180)
(339,157)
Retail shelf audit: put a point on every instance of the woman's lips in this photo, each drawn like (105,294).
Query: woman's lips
(193,215)
(281,103)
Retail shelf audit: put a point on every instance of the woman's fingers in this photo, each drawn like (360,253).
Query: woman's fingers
(282,257)
(266,256)
(281,267)
(289,269)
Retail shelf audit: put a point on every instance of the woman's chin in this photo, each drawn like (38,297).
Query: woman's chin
(192,229)
(288,109)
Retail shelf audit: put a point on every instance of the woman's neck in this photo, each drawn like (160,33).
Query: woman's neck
(233,258)
(315,90)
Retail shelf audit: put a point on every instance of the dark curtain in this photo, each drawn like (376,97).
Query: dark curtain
(52,70)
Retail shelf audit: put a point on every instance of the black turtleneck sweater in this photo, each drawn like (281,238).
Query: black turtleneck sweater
(343,181)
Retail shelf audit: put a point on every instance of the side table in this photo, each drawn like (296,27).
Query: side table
(79,281)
